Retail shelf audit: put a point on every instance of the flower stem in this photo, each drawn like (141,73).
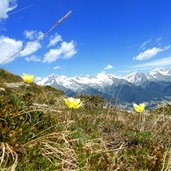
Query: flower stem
(71,113)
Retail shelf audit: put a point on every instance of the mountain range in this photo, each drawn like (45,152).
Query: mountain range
(152,87)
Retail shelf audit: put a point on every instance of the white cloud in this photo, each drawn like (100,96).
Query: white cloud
(29,34)
(30,48)
(52,55)
(108,67)
(54,40)
(68,49)
(33,34)
(5,7)
(144,44)
(150,53)
(33,58)
(9,47)
(65,51)
(158,62)
(56,67)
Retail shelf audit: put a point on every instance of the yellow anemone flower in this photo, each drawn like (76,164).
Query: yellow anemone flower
(139,108)
(73,103)
(27,78)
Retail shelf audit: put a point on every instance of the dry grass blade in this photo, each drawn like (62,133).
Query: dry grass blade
(56,146)
(44,35)
(66,156)
(7,154)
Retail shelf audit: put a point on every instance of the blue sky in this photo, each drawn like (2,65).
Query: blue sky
(115,36)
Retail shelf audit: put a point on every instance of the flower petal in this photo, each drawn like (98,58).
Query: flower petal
(72,102)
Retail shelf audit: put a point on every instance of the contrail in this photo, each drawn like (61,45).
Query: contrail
(19,10)
(44,35)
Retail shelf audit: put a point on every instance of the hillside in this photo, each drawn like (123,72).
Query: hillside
(39,132)
(5,76)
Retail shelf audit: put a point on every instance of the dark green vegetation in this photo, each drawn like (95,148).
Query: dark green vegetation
(38,133)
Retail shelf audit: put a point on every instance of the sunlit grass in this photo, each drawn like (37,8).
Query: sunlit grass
(37,133)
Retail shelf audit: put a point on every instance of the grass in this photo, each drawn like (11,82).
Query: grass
(38,133)
(8,77)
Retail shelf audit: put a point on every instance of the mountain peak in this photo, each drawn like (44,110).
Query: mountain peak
(103,80)
(160,74)
(136,78)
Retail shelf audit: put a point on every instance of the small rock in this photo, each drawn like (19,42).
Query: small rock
(16,85)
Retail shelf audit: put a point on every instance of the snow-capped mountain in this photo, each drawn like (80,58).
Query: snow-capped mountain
(136,78)
(160,74)
(75,83)
(136,86)
(102,79)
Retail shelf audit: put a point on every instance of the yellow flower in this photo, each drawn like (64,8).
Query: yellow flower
(139,108)
(27,78)
(73,103)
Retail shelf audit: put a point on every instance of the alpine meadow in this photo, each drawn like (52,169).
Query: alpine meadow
(85,85)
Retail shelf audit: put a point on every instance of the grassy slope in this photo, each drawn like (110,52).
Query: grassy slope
(5,76)
(38,132)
